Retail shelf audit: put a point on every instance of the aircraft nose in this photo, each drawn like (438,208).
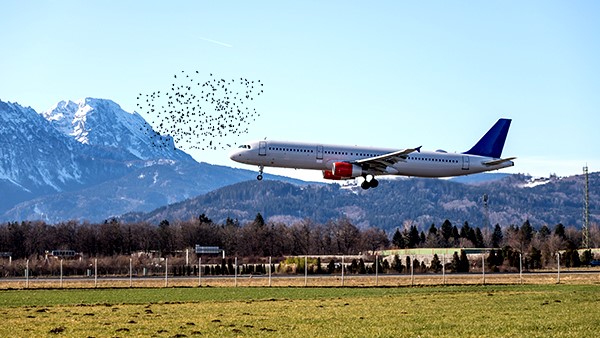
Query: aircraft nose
(235,155)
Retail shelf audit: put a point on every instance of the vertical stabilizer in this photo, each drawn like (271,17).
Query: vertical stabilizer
(491,144)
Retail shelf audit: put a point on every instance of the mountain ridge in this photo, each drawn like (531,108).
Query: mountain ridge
(394,203)
(82,159)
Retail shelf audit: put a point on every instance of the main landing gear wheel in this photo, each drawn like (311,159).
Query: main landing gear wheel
(372,183)
(260,173)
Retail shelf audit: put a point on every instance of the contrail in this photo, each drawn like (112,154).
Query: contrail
(217,42)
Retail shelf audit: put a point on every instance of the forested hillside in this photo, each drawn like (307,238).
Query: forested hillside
(511,200)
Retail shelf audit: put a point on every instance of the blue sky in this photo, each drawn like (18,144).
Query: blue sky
(391,74)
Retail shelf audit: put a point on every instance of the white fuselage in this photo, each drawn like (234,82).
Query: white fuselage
(317,156)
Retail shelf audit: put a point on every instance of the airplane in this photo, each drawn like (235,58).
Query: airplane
(338,162)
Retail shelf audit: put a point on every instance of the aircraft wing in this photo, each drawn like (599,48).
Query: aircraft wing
(499,161)
(381,162)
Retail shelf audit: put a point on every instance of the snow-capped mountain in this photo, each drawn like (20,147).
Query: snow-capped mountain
(103,123)
(90,160)
(35,158)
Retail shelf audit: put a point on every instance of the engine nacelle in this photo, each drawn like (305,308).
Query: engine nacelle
(347,170)
(328,175)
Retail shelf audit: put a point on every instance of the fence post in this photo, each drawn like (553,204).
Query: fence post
(444,269)
(376,270)
(520,268)
(200,271)
(269,271)
(483,266)
(61,273)
(130,272)
(27,274)
(412,271)
(166,272)
(95,272)
(342,270)
(235,274)
(558,275)
(305,271)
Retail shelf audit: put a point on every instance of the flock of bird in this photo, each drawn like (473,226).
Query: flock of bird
(200,115)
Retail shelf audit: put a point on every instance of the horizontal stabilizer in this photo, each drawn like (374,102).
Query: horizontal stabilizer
(499,161)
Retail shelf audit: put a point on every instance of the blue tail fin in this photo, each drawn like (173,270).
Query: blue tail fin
(492,142)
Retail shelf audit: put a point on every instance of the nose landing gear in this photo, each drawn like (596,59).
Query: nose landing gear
(260,173)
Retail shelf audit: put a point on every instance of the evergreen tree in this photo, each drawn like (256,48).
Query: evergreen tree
(455,264)
(525,234)
(491,259)
(497,236)
(499,258)
(559,231)
(464,262)
(165,237)
(385,266)
(455,235)
(204,219)
(572,256)
(361,267)
(422,238)
(354,266)
(471,236)
(464,230)
(413,237)
(416,265)
(544,232)
(586,257)
(446,231)
(436,264)
(398,239)
(433,230)
(319,269)
(259,221)
(535,258)
(408,264)
(224,269)
(331,267)
(230,267)
(397,264)
(479,238)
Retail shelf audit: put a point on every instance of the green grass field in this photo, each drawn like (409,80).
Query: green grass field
(451,311)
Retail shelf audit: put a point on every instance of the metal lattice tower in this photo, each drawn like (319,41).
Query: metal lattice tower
(585,229)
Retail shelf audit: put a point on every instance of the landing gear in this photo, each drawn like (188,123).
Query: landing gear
(369,182)
(374,183)
(260,173)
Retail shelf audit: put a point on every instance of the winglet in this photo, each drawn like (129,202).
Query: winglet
(418,149)
(492,143)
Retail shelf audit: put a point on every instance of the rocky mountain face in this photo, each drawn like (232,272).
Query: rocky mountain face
(89,160)
(396,203)
(36,159)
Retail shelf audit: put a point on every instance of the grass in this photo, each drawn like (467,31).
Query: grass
(427,311)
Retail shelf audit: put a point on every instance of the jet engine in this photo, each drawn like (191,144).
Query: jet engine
(346,170)
(328,175)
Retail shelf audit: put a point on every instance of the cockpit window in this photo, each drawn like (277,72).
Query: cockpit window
(244,146)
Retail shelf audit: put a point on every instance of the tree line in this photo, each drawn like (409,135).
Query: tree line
(261,239)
